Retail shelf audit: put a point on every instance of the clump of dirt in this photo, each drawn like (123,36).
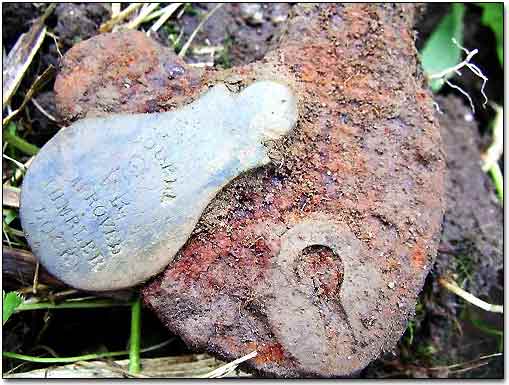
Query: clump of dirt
(77,22)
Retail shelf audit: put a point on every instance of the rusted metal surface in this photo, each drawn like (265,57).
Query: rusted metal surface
(315,261)
(120,72)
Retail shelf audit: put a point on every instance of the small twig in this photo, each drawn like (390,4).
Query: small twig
(36,278)
(437,107)
(481,364)
(184,49)
(21,55)
(6,236)
(181,12)
(48,349)
(21,171)
(14,369)
(229,367)
(30,290)
(39,82)
(469,297)
(64,293)
(465,363)
(18,164)
(15,232)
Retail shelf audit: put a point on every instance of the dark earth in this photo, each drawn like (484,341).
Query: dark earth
(473,229)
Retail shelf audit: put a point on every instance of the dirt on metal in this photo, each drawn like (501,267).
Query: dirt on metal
(315,261)
(120,72)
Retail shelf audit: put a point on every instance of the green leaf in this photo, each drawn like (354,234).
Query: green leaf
(9,215)
(439,52)
(11,301)
(493,17)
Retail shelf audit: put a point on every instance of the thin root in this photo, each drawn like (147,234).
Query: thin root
(443,75)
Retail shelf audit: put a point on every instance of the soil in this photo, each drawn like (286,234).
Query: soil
(476,229)
(248,37)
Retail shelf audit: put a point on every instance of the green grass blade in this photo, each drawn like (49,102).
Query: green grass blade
(135,341)
(19,143)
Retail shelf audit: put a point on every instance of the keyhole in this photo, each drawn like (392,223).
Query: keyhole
(323,267)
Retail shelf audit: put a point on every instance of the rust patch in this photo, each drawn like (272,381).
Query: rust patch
(269,353)
(418,256)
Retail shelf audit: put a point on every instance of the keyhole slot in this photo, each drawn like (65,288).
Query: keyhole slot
(323,267)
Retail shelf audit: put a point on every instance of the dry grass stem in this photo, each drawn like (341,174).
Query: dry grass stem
(38,83)
(166,13)
(19,59)
(115,9)
(229,367)
(43,111)
(451,286)
(145,11)
(184,49)
(108,26)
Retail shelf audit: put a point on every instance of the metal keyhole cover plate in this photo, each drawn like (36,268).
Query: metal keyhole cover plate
(108,202)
